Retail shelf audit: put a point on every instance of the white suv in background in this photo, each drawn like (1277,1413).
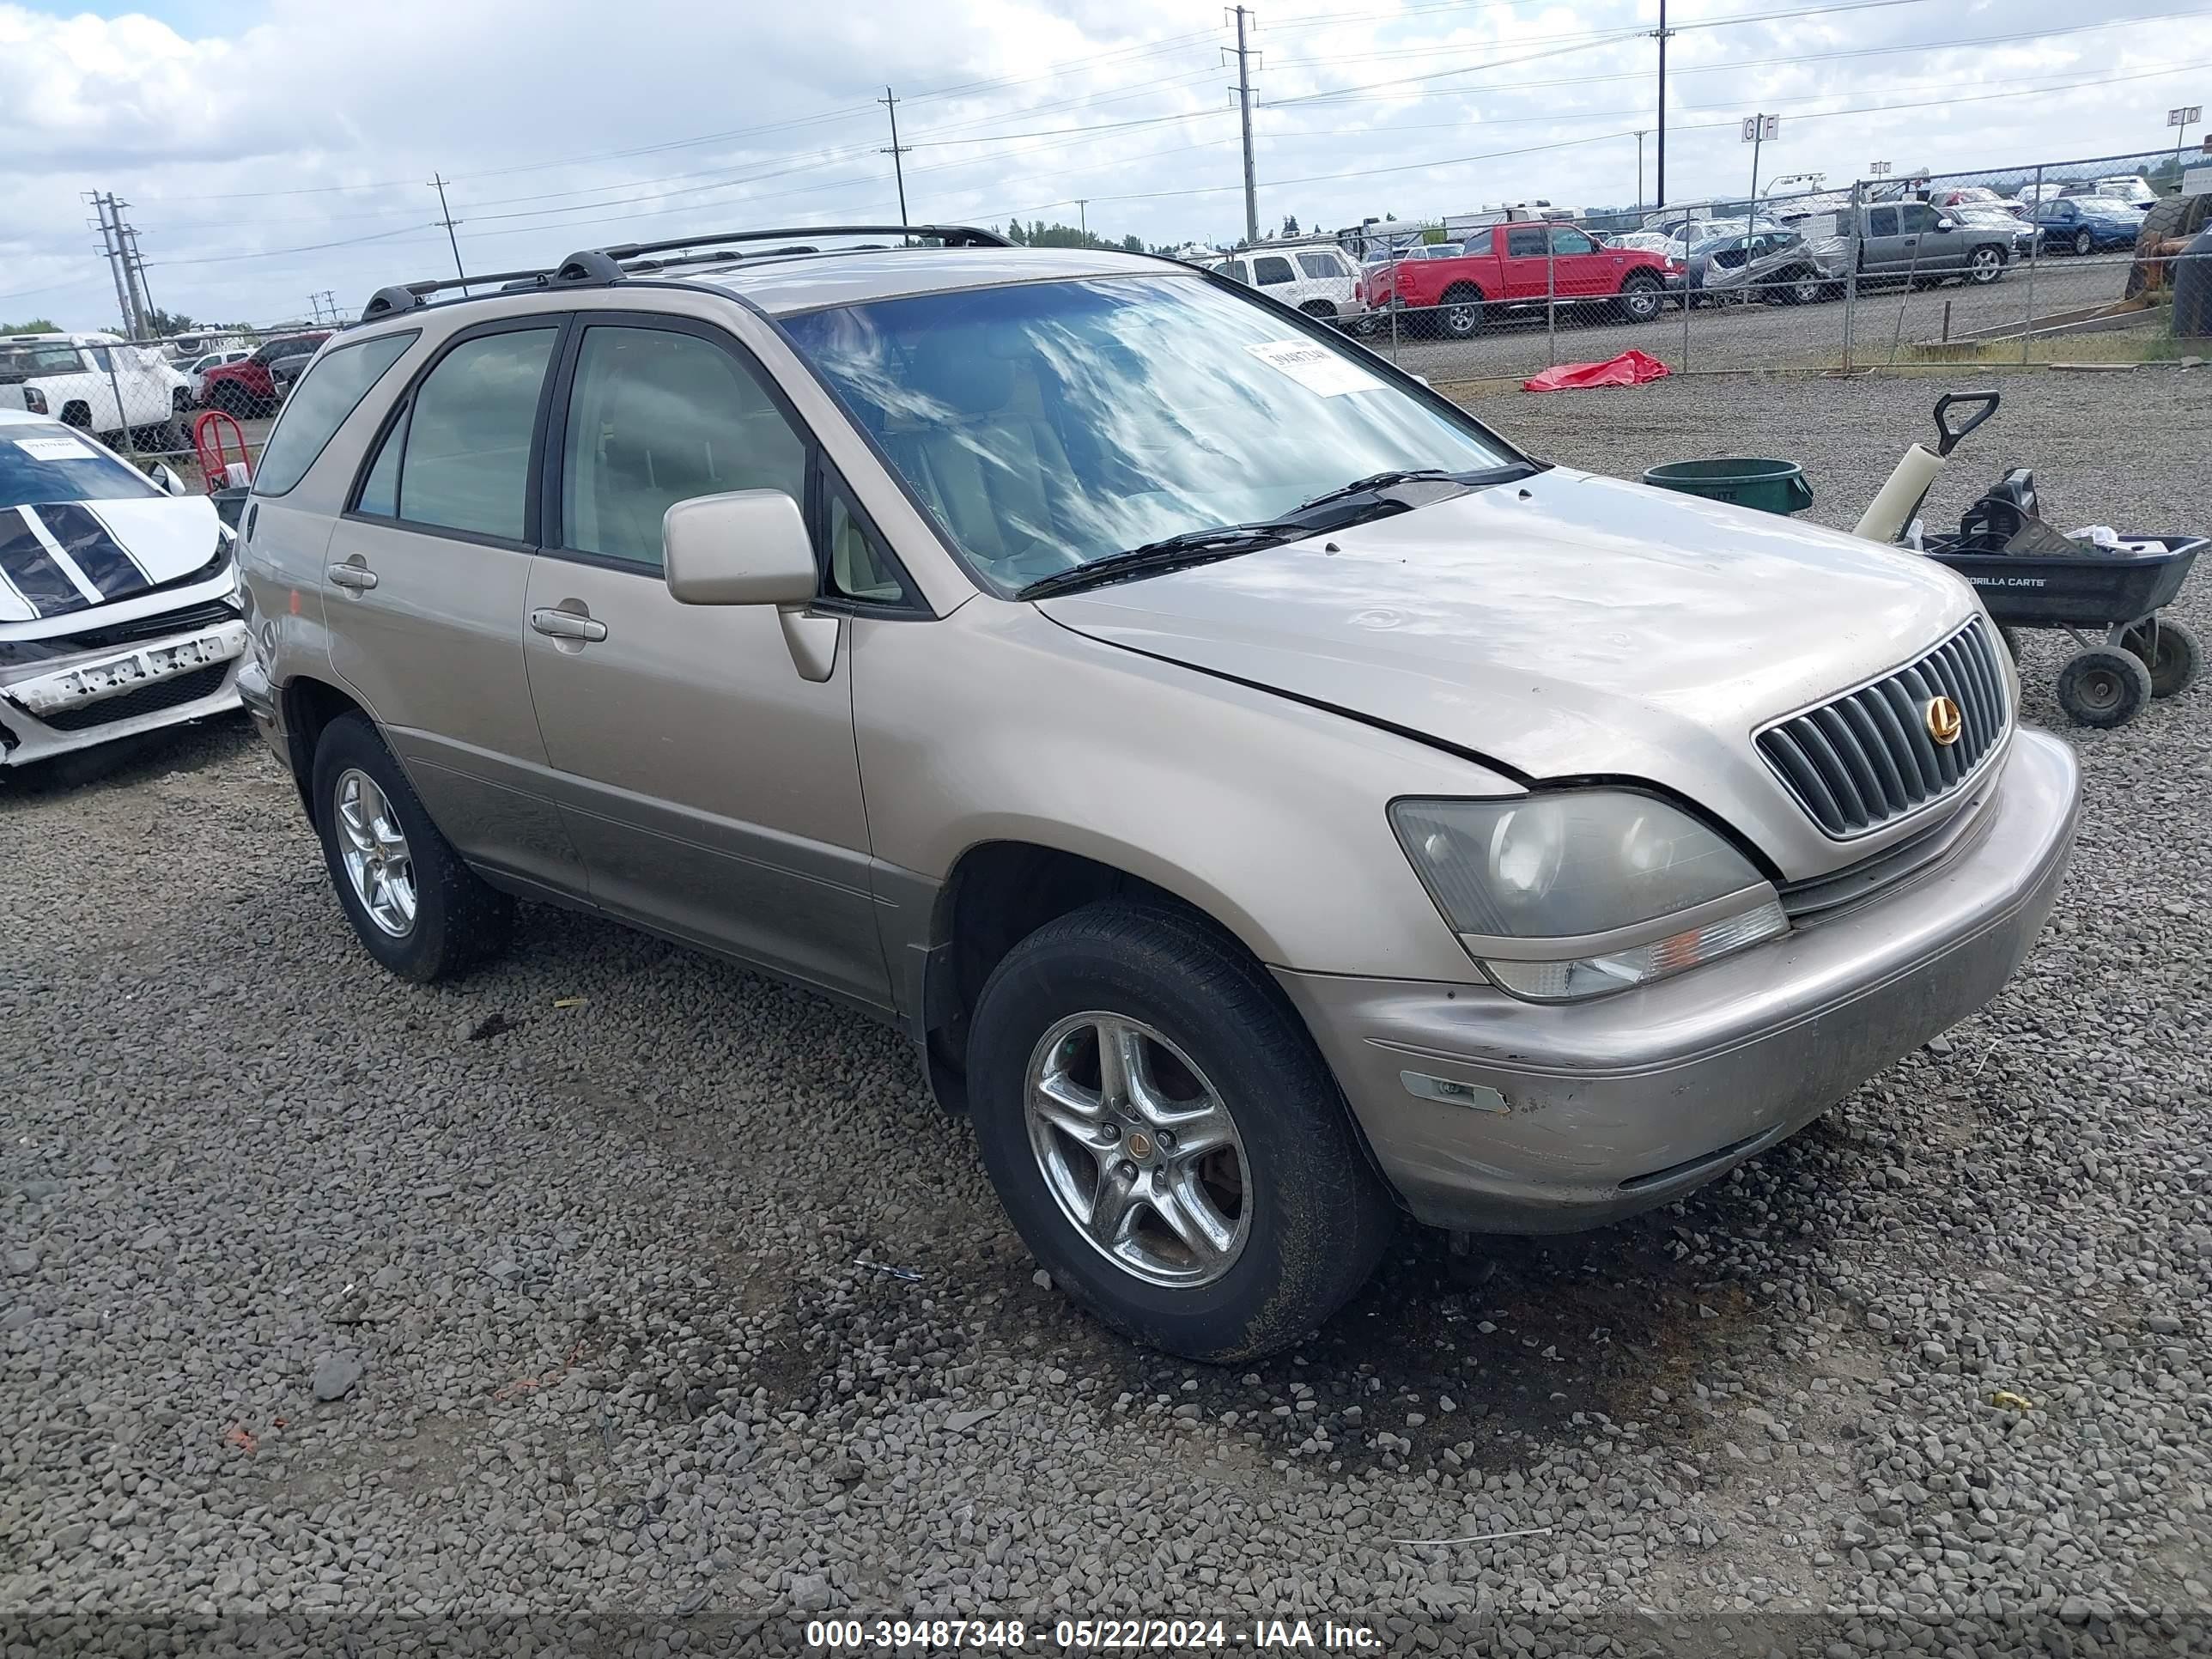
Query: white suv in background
(1319,278)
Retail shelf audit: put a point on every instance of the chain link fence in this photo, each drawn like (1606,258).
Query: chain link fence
(197,403)
(2052,260)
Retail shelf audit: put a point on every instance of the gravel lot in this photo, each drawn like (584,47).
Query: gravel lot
(1763,336)
(617,1282)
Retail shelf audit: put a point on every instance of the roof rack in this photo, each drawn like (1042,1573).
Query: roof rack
(596,267)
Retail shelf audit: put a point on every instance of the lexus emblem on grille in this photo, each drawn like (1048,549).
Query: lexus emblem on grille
(1944,721)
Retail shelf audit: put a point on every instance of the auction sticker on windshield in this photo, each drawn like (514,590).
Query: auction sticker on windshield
(1315,367)
(53,449)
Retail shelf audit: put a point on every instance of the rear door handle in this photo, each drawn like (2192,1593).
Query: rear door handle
(566,625)
(357,577)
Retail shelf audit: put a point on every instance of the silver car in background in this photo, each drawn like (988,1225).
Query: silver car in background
(1269,802)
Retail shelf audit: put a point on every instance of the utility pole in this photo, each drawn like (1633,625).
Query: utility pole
(135,268)
(897,150)
(446,218)
(1640,166)
(107,241)
(1083,214)
(1660,192)
(1244,98)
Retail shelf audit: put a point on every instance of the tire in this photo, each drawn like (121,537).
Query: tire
(231,398)
(1461,316)
(2170,651)
(1802,289)
(2103,687)
(1311,1218)
(455,920)
(2084,243)
(1986,265)
(1320,310)
(1642,298)
(78,415)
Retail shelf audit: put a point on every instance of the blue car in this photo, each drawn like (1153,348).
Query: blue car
(2083,224)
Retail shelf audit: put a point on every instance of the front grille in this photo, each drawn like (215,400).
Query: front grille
(1860,760)
(177,689)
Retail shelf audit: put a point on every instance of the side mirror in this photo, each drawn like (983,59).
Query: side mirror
(165,480)
(1947,224)
(748,547)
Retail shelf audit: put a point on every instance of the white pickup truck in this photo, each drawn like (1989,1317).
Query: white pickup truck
(95,383)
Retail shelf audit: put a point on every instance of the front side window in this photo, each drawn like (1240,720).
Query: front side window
(1919,217)
(43,462)
(467,461)
(656,417)
(1567,240)
(858,567)
(1272,268)
(1048,424)
(326,394)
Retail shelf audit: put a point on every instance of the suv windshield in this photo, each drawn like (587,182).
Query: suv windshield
(1049,425)
(44,462)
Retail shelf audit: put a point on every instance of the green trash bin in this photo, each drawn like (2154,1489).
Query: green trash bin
(1769,486)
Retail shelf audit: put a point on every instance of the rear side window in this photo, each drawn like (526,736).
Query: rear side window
(327,394)
(466,464)
(1272,268)
(656,418)
(1525,244)
(1321,265)
(1478,243)
(1881,222)
(1238,271)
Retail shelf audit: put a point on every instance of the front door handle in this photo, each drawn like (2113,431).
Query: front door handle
(357,577)
(568,625)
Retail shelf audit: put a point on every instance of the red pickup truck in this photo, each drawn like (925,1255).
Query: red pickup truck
(1504,267)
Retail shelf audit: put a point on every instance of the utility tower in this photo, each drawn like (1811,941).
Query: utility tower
(1243,90)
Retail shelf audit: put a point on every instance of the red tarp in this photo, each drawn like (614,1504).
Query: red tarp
(1630,368)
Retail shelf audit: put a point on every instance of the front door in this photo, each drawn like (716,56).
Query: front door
(712,787)
(1939,249)
(1582,268)
(424,583)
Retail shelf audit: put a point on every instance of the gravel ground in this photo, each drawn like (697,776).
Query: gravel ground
(1762,336)
(619,1283)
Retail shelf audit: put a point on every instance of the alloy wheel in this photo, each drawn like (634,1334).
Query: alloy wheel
(1139,1150)
(1986,264)
(374,852)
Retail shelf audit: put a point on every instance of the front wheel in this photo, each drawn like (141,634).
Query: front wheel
(2103,687)
(414,905)
(1984,265)
(1165,1138)
(2170,651)
(1642,299)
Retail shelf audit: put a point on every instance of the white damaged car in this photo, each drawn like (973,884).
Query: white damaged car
(119,597)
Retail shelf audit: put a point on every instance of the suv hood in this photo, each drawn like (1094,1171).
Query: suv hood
(1570,626)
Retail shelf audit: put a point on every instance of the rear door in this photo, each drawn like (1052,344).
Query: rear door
(426,577)
(713,789)
(1523,271)
(1274,274)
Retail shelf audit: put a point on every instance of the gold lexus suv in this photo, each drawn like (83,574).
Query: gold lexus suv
(1270,802)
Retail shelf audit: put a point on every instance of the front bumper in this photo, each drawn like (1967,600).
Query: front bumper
(72,702)
(1558,1118)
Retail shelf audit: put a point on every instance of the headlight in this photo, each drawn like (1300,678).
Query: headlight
(1580,892)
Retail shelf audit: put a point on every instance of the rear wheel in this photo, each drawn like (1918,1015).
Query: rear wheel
(1801,287)
(1166,1139)
(1984,265)
(2170,651)
(1320,308)
(2083,241)
(1463,310)
(2103,687)
(1642,298)
(414,905)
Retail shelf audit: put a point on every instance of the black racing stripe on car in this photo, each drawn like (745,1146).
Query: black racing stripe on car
(31,570)
(107,565)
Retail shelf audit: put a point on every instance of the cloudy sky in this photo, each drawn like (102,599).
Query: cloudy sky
(272,148)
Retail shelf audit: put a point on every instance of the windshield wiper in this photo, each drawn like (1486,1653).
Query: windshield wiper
(1376,480)
(1170,553)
